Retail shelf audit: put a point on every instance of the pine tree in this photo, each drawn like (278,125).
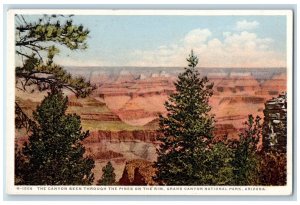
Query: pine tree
(54,153)
(108,175)
(186,130)
(20,166)
(246,161)
(36,45)
(218,164)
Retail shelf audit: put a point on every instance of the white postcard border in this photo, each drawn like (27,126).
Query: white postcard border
(142,190)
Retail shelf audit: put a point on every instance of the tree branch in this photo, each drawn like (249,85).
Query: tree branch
(36,51)
(23,54)
(25,43)
(22,120)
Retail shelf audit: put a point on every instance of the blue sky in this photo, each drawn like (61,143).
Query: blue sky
(233,41)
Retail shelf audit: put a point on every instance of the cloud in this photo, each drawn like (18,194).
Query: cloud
(234,49)
(197,36)
(246,25)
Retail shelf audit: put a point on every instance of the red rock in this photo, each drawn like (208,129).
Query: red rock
(121,136)
(138,172)
(76,104)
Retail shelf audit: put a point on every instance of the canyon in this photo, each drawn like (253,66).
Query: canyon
(122,113)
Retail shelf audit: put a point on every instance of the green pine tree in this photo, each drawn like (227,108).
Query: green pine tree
(108,176)
(246,161)
(54,154)
(218,164)
(37,43)
(186,131)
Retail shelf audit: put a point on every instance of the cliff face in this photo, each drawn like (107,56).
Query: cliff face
(119,147)
(122,114)
(275,121)
(222,130)
(121,136)
(125,144)
(138,172)
(138,101)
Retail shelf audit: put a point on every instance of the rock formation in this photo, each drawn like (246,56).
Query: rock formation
(122,113)
(275,121)
(138,172)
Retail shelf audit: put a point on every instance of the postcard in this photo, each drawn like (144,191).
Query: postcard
(149,102)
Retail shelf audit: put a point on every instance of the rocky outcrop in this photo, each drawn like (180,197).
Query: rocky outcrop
(224,130)
(152,125)
(275,121)
(75,104)
(275,85)
(121,136)
(242,99)
(128,145)
(105,155)
(100,117)
(134,114)
(138,172)
(237,93)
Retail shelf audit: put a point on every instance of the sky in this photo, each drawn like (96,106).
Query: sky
(218,41)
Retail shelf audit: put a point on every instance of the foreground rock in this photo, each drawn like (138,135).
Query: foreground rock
(138,172)
(275,122)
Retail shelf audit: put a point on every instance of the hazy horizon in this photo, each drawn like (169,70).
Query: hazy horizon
(198,67)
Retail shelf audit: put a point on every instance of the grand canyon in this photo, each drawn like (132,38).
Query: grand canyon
(122,113)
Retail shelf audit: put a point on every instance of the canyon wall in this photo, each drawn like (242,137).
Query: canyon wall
(119,147)
(122,114)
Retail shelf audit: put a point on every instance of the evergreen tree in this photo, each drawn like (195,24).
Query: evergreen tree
(54,153)
(218,164)
(108,175)
(19,166)
(37,43)
(246,157)
(186,130)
